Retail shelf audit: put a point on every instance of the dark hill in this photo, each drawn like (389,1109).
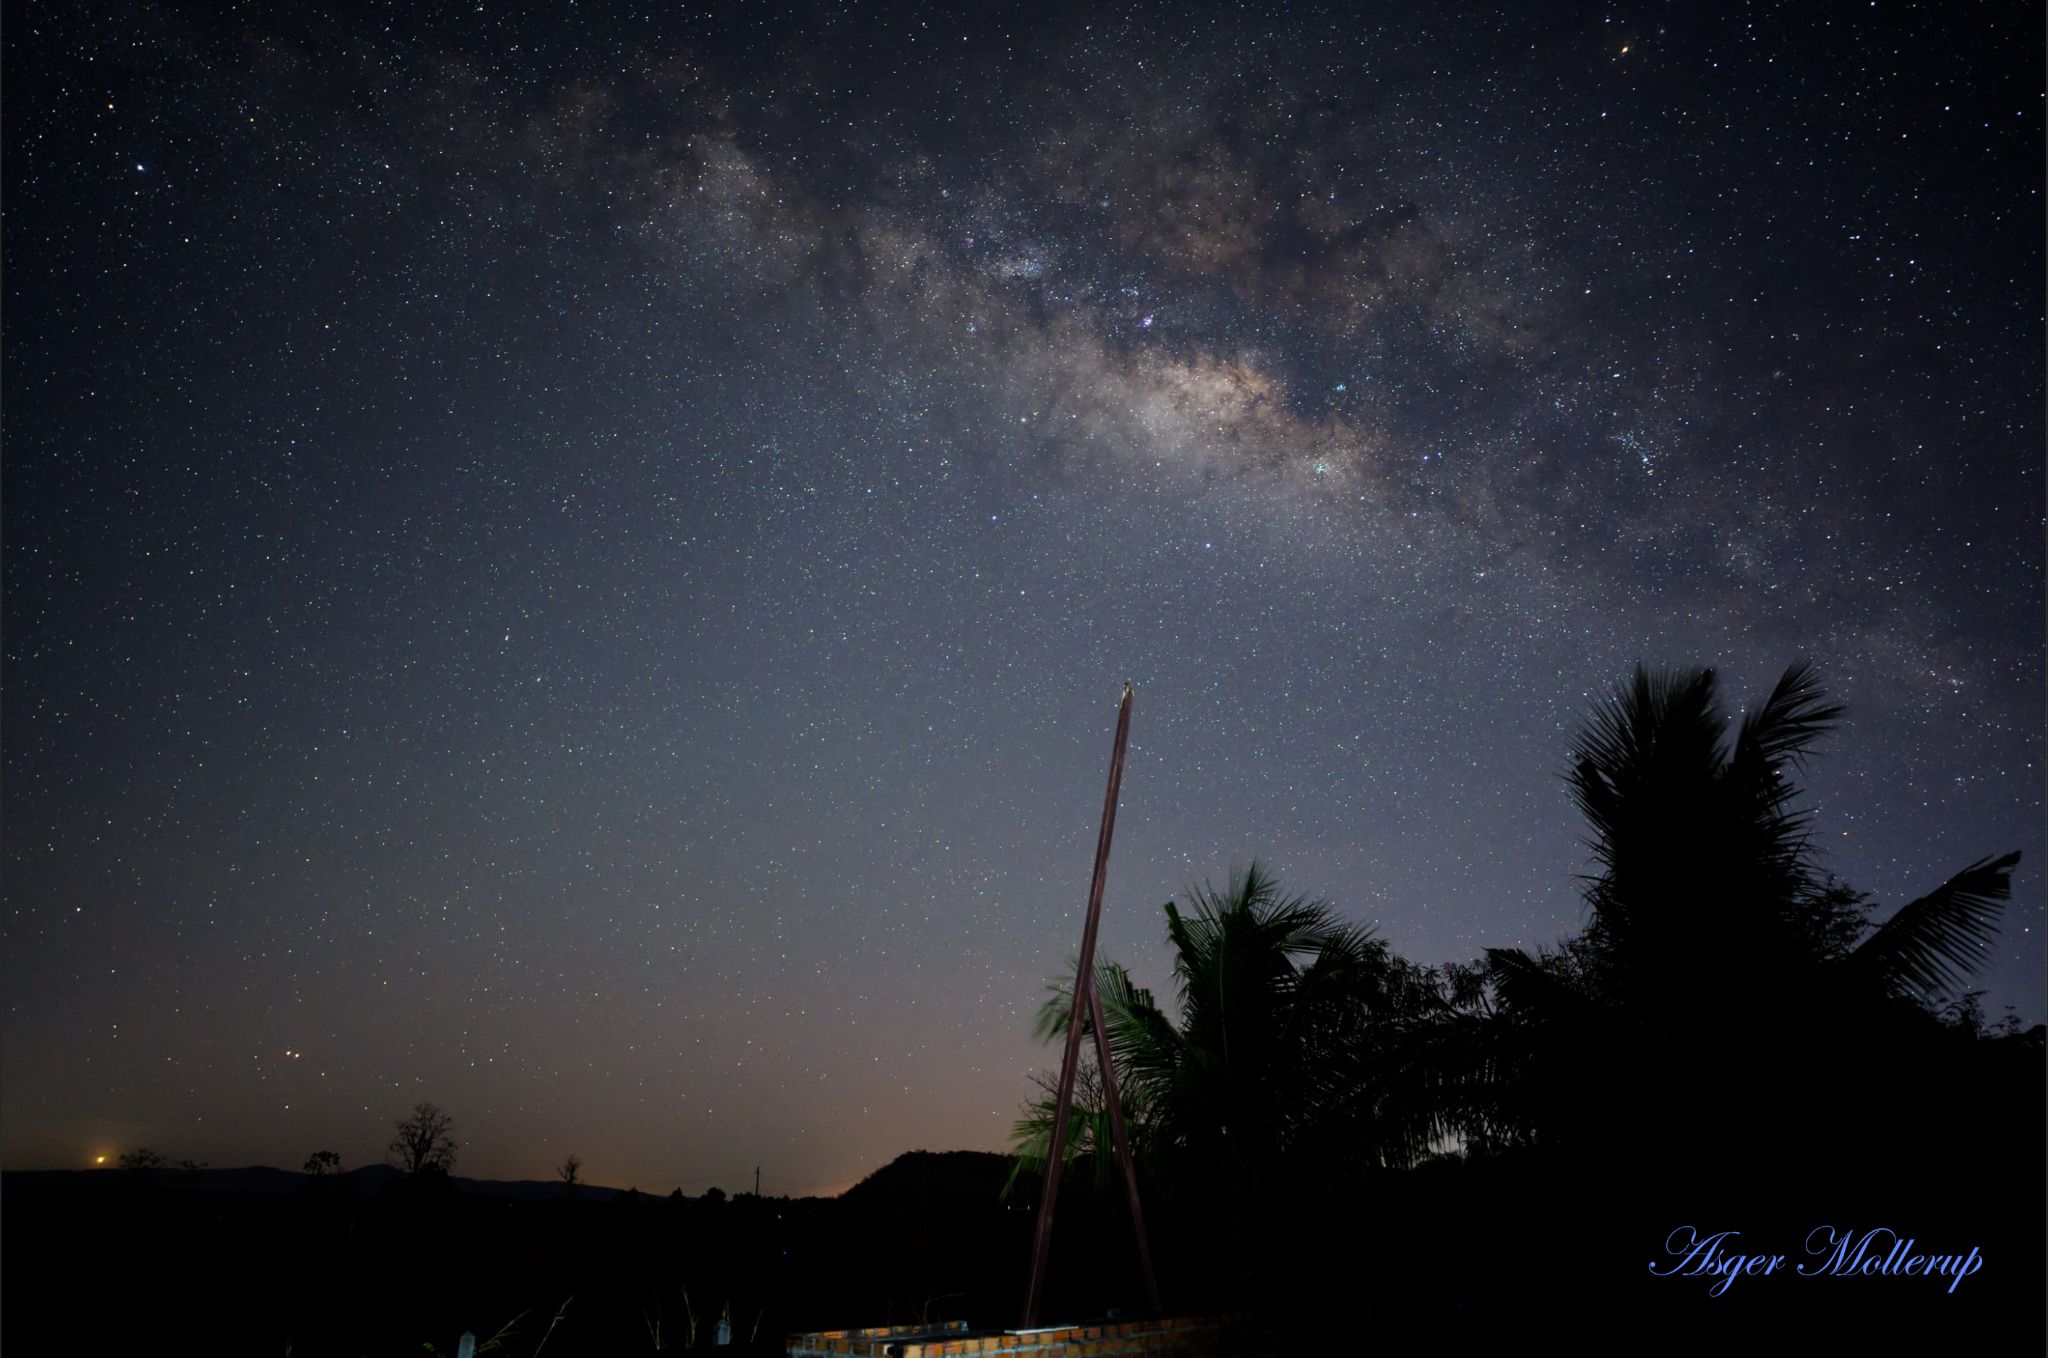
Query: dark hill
(927,1182)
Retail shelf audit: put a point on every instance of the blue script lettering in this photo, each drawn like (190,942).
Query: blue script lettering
(1956,1264)
(1883,1252)
(1706,1256)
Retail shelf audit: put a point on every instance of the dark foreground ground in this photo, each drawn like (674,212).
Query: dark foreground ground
(1451,1255)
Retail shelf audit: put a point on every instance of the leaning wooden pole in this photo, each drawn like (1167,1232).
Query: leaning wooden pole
(1123,1144)
(1085,1012)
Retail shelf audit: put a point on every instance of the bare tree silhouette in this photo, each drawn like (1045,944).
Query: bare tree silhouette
(423,1142)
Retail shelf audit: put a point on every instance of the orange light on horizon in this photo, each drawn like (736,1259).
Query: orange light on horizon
(99,1159)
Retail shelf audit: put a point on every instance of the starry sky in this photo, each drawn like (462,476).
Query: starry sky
(578,565)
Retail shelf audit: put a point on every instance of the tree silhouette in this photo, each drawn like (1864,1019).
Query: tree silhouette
(321,1164)
(142,1165)
(567,1172)
(1708,876)
(1292,1026)
(1720,960)
(422,1142)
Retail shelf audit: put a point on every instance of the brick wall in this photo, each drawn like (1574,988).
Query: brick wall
(1174,1337)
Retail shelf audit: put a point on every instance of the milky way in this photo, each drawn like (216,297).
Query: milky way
(580,568)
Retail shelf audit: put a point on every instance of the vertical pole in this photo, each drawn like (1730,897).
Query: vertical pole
(1084,991)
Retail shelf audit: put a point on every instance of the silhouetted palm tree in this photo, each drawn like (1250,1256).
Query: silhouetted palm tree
(1294,1027)
(1716,944)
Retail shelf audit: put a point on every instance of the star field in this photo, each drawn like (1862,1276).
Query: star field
(579,566)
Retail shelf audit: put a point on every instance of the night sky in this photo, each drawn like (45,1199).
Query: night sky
(579,567)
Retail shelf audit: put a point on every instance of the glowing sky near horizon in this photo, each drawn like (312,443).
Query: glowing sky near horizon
(579,568)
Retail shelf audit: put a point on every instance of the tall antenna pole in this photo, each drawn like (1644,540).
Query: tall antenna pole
(1086,1004)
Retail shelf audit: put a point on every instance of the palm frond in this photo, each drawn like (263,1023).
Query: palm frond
(1756,822)
(1645,760)
(1031,1140)
(1142,1040)
(1933,943)
(1057,1009)
(1658,719)
(1795,716)
(1526,983)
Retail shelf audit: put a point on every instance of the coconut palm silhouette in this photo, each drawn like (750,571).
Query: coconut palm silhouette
(1720,962)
